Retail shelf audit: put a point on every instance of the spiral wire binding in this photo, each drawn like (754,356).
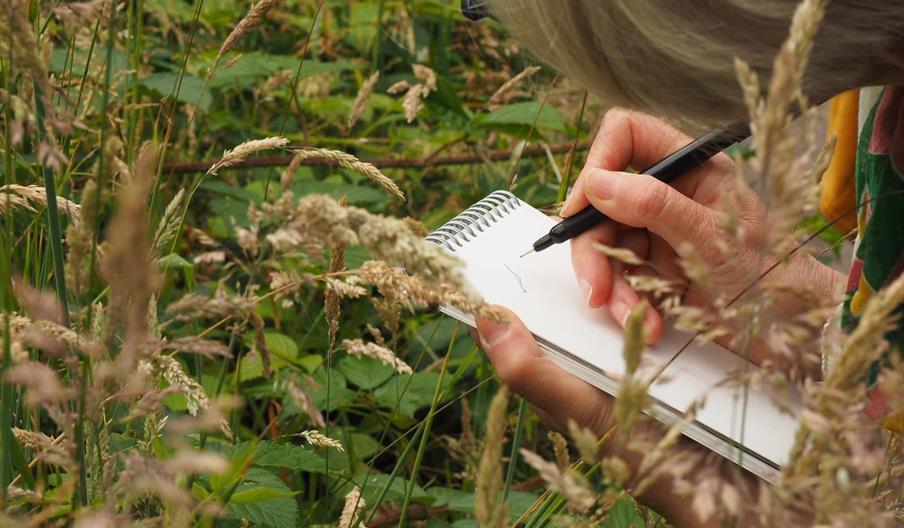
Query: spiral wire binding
(474,220)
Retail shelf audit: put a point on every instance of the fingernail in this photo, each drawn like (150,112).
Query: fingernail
(620,312)
(602,183)
(587,289)
(492,332)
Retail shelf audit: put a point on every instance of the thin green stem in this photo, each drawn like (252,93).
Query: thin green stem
(437,396)
(516,444)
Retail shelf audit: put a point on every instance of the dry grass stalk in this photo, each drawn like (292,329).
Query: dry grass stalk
(346,161)
(127,260)
(585,441)
(168,228)
(359,348)
(560,448)
(632,397)
(80,239)
(625,256)
(304,402)
(351,510)
(490,510)
(331,305)
(242,151)
(569,485)
(316,438)
(413,292)
(502,93)
(361,99)
(15,196)
(248,24)
(50,450)
(415,93)
(198,345)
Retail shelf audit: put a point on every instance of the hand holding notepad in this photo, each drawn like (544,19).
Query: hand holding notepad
(739,423)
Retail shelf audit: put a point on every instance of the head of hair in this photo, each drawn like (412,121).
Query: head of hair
(676,58)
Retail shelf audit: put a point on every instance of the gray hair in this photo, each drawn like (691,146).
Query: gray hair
(675,58)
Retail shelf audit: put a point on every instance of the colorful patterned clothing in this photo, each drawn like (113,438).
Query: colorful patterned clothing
(879,249)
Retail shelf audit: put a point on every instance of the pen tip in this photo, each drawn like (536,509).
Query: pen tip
(531,250)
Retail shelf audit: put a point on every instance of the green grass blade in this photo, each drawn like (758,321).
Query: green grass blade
(437,396)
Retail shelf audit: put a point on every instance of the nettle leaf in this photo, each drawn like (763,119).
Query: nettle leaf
(333,395)
(365,372)
(283,351)
(250,68)
(296,458)
(263,499)
(519,118)
(191,90)
(409,392)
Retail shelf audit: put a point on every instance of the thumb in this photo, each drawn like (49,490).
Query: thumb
(521,365)
(643,201)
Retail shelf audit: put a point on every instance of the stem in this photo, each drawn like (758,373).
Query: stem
(425,436)
(516,443)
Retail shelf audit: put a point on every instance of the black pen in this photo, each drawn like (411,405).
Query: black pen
(677,163)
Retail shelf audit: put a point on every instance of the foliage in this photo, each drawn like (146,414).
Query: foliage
(205,211)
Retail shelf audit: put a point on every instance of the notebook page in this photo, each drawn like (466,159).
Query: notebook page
(542,290)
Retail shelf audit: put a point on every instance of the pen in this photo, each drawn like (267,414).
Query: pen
(675,164)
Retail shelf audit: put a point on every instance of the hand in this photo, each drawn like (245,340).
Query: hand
(557,397)
(654,219)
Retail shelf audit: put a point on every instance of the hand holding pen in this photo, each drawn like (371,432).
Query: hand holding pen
(649,216)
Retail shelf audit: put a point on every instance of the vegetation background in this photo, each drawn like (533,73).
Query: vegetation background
(152,70)
(202,206)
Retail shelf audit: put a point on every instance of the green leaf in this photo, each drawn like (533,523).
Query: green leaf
(293,457)
(339,394)
(518,118)
(410,396)
(174,261)
(262,498)
(249,68)
(257,495)
(366,373)
(191,90)
(624,515)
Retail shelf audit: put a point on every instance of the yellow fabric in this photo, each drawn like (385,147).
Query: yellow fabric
(837,192)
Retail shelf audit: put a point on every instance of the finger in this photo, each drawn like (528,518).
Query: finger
(591,268)
(639,200)
(636,241)
(623,301)
(522,366)
(625,139)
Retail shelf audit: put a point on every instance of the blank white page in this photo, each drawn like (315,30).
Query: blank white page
(541,288)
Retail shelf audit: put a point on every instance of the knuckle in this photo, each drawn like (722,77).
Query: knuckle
(652,201)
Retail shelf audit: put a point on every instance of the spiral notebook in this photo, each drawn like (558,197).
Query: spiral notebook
(741,424)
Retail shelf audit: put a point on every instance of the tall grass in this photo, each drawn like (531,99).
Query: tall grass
(229,352)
